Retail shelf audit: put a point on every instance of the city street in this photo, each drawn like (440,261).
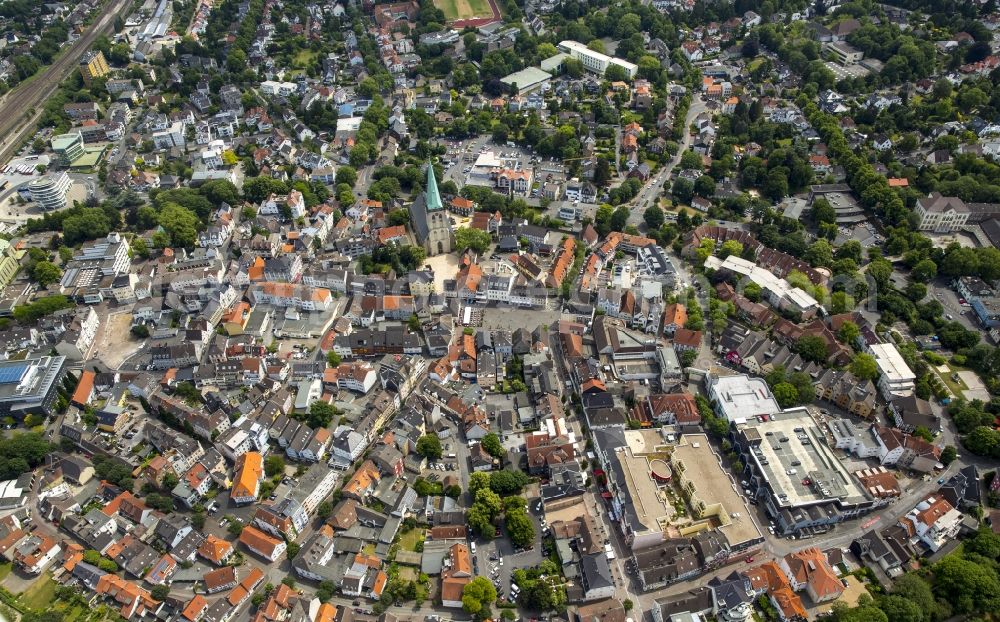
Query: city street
(653,189)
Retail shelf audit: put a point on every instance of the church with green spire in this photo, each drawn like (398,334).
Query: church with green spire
(431,222)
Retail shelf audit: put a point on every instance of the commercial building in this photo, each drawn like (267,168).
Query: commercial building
(740,397)
(596,62)
(30,386)
(891,446)
(844,53)
(778,292)
(795,475)
(528,80)
(896,379)
(641,464)
(93,65)
(68,148)
(714,496)
(50,191)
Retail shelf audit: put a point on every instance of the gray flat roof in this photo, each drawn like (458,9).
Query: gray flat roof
(801,468)
(529,76)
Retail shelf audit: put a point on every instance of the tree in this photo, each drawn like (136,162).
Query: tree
(983,441)
(429,446)
(848,333)
(477,481)
(899,609)
(812,348)
(477,596)
(139,247)
(475,239)
(948,455)
(220,191)
(864,367)
(653,216)
(293,549)
(704,186)
(492,445)
(968,586)
(865,611)
(913,588)
(786,394)
(45,273)
(690,161)
(776,184)
(541,587)
(682,190)
(347,175)
(332,359)
(480,521)
(924,271)
(274,465)
(823,212)
(31,313)
(519,527)
(819,253)
(730,247)
(181,224)
(320,415)
(160,592)
(508,482)
(489,501)
(324,509)
(234,528)
(752,291)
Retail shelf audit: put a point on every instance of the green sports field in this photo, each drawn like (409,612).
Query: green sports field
(463,9)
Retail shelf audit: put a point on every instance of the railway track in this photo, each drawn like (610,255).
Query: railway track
(21,109)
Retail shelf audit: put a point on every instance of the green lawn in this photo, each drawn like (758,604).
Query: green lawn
(463,9)
(956,388)
(408,541)
(41,594)
(5,570)
(304,58)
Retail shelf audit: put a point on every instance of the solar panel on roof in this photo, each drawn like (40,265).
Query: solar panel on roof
(13,373)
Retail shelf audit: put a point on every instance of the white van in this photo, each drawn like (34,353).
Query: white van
(472,547)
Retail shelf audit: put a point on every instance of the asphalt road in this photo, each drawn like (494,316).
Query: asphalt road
(653,188)
(22,107)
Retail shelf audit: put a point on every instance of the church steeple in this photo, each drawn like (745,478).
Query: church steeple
(431,195)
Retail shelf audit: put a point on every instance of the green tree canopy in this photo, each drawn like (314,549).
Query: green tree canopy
(429,446)
(475,239)
(864,367)
(492,445)
(477,596)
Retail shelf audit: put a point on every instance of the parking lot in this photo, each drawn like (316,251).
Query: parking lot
(461,156)
(497,559)
(842,72)
(509,318)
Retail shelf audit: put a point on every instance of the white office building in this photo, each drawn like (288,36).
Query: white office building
(50,191)
(596,62)
(896,379)
(739,398)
